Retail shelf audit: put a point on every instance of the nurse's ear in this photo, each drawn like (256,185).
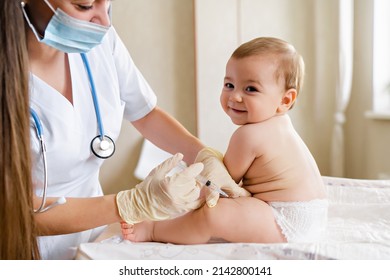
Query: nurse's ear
(287,101)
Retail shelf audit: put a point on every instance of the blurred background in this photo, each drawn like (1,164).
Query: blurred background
(343,112)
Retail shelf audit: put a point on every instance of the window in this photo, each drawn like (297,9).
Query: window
(381,57)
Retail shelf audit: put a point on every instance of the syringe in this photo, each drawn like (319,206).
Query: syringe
(182,165)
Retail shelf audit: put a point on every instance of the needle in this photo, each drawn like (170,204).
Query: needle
(201,179)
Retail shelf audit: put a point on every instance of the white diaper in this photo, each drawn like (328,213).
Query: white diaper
(301,221)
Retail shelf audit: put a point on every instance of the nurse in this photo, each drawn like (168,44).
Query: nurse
(63,87)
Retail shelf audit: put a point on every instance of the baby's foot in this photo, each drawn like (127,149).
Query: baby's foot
(140,232)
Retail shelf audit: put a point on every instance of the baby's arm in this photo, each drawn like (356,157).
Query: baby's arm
(241,152)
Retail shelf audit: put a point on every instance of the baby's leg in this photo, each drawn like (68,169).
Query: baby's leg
(190,228)
(244,219)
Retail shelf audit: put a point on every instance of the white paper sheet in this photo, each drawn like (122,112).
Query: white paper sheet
(358,228)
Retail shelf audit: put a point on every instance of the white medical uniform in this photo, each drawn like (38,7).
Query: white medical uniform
(73,170)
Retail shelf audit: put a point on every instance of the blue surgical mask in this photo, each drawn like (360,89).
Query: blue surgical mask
(69,34)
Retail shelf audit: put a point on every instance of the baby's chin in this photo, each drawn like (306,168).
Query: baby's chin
(238,122)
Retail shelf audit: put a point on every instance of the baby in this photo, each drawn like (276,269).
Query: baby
(265,155)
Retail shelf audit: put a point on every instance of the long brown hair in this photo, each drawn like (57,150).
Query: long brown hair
(18,229)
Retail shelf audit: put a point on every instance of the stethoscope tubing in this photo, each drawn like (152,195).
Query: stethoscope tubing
(39,131)
(94,97)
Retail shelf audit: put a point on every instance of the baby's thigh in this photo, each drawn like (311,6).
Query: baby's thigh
(244,219)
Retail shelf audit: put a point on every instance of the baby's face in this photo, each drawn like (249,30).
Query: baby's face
(251,92)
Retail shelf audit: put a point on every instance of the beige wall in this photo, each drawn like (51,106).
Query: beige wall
(181,47)
(160,37)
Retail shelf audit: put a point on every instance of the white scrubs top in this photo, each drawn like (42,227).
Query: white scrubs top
(73,170)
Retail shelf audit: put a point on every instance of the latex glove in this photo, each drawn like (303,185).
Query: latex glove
(215,171)
(160,197)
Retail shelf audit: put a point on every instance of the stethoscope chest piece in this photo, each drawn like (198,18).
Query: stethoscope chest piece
(102,147)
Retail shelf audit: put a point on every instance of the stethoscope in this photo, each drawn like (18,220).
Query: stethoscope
(102,145)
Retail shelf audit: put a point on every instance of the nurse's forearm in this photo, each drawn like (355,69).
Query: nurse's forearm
(167,133)
(78,214)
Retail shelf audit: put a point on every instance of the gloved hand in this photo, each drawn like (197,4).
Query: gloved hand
(215,171)
(160,197)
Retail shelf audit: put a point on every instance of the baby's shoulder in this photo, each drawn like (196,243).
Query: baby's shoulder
(251,134)
(248,130)
(253,127)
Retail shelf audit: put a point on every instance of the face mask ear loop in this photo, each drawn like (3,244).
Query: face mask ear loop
(29,22)
(50,6)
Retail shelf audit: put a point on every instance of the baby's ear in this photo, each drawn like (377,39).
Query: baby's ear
(287,101)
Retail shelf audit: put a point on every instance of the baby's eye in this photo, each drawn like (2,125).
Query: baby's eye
(251,89)
(229,85)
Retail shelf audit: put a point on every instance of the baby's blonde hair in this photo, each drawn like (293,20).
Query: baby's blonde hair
(291,66)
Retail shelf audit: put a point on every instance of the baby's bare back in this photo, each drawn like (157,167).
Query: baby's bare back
(281,167)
